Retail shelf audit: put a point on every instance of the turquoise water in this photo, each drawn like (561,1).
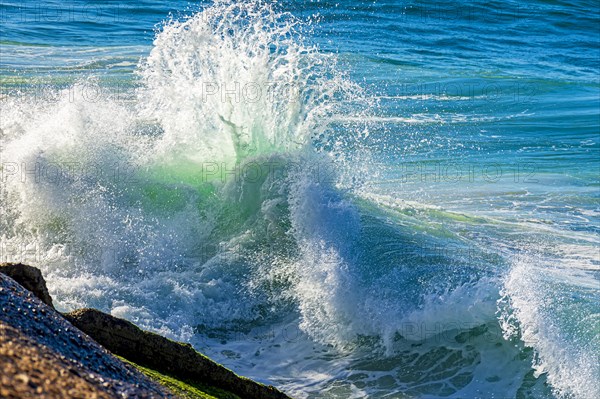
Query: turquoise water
(381,199)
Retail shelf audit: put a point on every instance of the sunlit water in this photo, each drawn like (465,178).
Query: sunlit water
(345,199)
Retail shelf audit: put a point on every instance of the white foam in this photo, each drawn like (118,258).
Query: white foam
(544,315)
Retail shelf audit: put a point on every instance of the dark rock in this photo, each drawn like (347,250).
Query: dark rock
(168,357)
(49,358)
(29,277)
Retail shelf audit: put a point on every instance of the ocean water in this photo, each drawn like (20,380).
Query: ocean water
(353,199)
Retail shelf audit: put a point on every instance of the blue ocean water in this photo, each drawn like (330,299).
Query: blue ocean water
(383,199)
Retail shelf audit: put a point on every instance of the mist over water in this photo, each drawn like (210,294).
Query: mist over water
(346,205)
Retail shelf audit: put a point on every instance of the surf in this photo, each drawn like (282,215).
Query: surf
(224,200)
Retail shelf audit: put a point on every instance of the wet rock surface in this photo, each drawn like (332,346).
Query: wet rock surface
(161,354)
(30,278)
(44,356)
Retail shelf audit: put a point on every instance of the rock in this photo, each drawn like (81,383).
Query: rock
(163,355)
(29,277)
(43,356)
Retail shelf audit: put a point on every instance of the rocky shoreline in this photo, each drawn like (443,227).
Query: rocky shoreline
(90,354)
